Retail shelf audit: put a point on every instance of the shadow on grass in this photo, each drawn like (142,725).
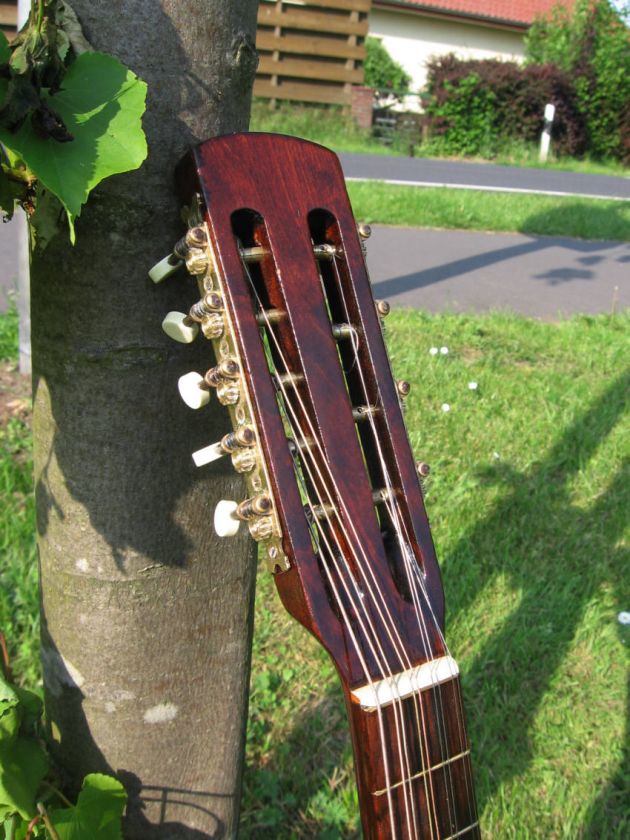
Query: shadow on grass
(558,556)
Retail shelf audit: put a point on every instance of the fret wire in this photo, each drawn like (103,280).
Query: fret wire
(422,773)
(463,831)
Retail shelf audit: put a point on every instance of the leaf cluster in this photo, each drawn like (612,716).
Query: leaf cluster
(69,117)
(30,804)
(381,71)
(591,42)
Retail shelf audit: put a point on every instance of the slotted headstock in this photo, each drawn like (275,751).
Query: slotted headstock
(300,325)
(334,496)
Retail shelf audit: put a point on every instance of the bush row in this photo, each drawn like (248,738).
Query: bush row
(477,105)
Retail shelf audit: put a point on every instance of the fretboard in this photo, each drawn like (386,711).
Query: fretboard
(414,773)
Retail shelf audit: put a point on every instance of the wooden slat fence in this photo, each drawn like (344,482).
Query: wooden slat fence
(8,18)
(311,50)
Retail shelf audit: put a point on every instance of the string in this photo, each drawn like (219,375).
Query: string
(367,636)
(394,686)
(396,520)
(410,562)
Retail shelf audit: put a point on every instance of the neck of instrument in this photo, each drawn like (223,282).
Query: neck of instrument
(412,759)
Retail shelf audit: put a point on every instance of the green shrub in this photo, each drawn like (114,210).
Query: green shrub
(479,106)
(381,71)
(591,42)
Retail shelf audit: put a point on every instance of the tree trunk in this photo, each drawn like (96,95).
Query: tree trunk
(146,615)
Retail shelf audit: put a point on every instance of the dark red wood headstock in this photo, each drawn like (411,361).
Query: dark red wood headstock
(334,494)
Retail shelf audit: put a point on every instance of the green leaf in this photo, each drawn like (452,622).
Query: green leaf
(97,814)
(5,51)
(9,712)
(23,765)
(101,103)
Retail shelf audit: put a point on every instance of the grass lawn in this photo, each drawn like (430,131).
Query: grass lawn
(528,498)
(479,210)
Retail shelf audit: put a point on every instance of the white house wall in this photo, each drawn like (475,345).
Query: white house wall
(412,39)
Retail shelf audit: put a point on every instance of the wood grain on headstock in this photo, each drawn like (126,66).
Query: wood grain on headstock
(349,580)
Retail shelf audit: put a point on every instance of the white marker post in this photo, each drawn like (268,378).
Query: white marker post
(545,137)
(20,225)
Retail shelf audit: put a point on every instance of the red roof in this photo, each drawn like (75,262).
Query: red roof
(508,11)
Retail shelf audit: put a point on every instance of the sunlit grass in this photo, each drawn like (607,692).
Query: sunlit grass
(440,207)
(528,498)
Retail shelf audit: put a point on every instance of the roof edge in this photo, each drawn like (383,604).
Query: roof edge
(433,11)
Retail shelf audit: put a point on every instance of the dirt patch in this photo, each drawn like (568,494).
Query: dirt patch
(15,394)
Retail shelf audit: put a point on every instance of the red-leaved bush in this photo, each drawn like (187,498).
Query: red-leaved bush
(512,98)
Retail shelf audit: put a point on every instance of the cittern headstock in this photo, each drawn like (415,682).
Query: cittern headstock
(333,492)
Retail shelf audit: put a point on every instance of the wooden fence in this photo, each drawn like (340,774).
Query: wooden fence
(8,18)
(311,50)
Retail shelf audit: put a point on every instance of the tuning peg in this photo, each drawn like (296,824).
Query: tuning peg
(228,515)
(403,387)
(226,522)
(164,268)
(194,390)
(365,231)
(383,308)
(180,327)
(234,443)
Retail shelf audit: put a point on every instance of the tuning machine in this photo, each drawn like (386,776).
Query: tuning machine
(206,313)
(256,511)
(191,250)
(194,388)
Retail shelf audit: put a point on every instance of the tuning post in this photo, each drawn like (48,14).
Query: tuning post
(288,380)
(269,316)
(384,494)
(383,308)
(363,412)
(423,470)
(403,387)
(364,231)
(343,331)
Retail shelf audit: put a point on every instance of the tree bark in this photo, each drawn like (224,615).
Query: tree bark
(146,615)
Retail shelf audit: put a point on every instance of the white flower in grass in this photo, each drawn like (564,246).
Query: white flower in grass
(624,617)
(446,407)
(472,386)
(444,351)
(496,456)
(434,351)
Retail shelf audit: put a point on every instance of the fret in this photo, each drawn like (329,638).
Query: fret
(422,773)
(422,783)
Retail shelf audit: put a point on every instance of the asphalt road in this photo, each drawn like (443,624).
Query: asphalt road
(483,176)
(462,271)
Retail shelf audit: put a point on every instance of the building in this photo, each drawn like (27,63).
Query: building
(414,31)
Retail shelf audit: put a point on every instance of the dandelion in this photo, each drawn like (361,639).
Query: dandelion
(624,617)
(433,351)
(444,350)
(472,386)
(446,407)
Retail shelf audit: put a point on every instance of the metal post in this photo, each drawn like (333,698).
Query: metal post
(20,226)
(545,137)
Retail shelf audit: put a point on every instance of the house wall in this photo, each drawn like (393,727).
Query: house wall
(412,39)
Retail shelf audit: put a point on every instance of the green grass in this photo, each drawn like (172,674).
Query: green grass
(327,126)
(479,210)
(18,568)
(528,498)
